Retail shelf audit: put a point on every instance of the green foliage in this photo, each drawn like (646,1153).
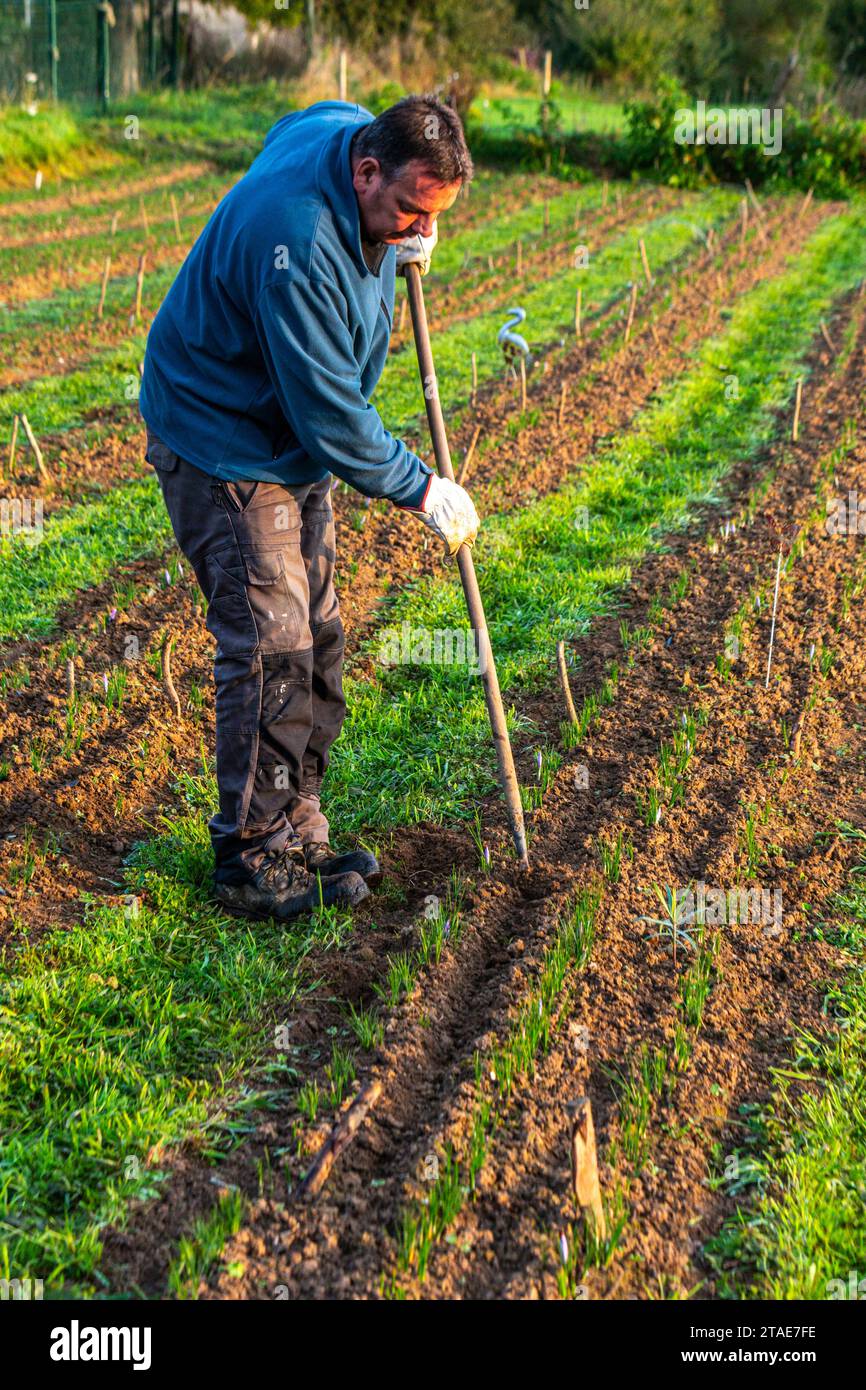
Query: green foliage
(825,150)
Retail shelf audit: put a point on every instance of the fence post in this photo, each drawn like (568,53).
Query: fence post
(174,75)
(103,58)
(151,41)
(53,51)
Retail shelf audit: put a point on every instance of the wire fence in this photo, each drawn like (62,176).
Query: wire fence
(84,51)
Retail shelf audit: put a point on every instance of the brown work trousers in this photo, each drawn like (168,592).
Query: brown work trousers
(264,558)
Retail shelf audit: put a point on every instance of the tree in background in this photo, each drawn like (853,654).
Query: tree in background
(846,35)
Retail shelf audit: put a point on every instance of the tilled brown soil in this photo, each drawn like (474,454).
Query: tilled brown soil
(76,799)
(765,981)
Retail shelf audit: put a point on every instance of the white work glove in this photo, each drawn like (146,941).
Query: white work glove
(416,250)
(449,511)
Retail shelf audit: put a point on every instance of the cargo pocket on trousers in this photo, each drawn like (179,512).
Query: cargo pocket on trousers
(229,615)
(276,611)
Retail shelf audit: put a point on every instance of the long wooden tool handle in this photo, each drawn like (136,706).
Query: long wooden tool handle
(492,693)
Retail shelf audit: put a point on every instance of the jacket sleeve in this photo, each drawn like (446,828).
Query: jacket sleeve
(302,325)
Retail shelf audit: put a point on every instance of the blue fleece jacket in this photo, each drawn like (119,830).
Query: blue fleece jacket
(262,359)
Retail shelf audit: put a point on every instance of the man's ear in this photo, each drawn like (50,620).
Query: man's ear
(366,170)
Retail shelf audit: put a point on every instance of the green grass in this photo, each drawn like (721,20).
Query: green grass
(423,1223)
(124,1035)
(200,1250)
(82,546)
(54,140)
(82,543)
(800,1231)
(95,1072)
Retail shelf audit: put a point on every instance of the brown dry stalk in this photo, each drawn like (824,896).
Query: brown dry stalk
(139,282)
(37,452)
(797,404)
(100,306)
(167,682)
(564,681)
(12,445)
(643,256)
(464,469)
(584,1163)
(175,216)
(340,1137)
(630,313)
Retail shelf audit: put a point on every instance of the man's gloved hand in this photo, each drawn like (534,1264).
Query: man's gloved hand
(449,511)
(416,250)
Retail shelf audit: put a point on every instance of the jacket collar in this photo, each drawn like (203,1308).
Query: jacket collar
(335,181)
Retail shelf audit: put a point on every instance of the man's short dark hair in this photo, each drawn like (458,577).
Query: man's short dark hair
(417,127)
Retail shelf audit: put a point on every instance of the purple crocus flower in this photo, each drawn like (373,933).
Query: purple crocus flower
(112,614)
(538,759)
(167,576)
(446,930)
(105,683)
(563,1247)
(486,854)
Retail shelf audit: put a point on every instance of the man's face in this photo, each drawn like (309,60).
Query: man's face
(409,204)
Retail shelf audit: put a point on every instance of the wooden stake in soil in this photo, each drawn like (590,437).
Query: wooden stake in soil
(139,282)
(584,1164)
(401,322)
(340,1137)
(804,205)
(630,313)
(70,680)
(37,452)
(114,223)
(797,404)
(167,682)
(753,200)
(797,733)
(176,218)
(12,446)
(548,72)
(827,339)
(522,384)
(643,256)
(563,396)
(577,313)
(461,477)
(103,287)
(773,622)
(565,682)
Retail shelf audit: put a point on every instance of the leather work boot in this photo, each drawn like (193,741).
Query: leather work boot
(283,888)
(322,859)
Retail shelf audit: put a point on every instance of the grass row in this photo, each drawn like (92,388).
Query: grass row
(35,579)
(177,993)
(800,1228)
